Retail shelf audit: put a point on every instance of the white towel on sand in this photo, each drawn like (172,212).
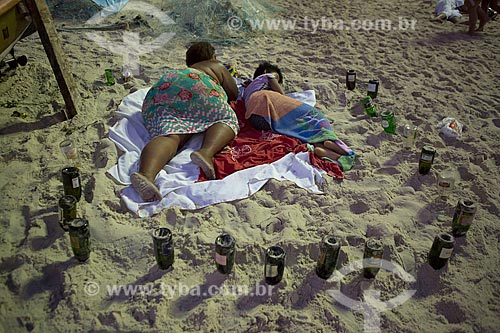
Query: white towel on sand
(177,180)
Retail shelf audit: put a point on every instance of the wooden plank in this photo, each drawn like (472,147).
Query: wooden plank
(42,18)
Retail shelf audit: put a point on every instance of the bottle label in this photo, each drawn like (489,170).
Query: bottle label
(372,87)
(75,182)
(385,123)
(351,78)
(426,157)
(271,271)
(444,184)
(465,218)
(445,253)
(322,258)
(373,262)
(75,242)
(220,259)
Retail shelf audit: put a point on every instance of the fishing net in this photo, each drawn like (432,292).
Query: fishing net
(198,18)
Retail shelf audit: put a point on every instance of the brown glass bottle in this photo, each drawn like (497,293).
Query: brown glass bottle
(224,253)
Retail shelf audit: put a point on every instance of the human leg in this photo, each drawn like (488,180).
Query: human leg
(216,137)
(155,155)
(495,5)
(483,17)
(322,152)
(485,4)
(473,15)
(329,144)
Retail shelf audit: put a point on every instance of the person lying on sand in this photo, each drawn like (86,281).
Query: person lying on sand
(182,103)
(265,95)
(447,10)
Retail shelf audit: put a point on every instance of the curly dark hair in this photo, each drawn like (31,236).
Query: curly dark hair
(267,67)
(199,51)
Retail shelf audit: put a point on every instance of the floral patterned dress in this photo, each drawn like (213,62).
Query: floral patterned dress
(186,101)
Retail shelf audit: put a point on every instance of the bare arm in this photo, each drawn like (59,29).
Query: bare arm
(275,86)
(228,84)
(219,73)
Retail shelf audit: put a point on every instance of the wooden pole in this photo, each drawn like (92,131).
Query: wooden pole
(40,13)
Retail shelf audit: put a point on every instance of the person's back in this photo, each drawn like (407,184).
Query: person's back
(219,73)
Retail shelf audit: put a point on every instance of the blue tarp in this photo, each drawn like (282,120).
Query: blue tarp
(111,6)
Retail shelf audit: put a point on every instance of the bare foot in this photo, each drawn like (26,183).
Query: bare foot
(440,18)
(205,164)
(481,26)
(146,189)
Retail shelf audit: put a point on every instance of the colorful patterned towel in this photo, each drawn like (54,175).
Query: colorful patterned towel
(291,117)
(253,147)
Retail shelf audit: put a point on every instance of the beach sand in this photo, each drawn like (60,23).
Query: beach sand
(427,73)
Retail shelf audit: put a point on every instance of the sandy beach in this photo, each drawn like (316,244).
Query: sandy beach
(427,71)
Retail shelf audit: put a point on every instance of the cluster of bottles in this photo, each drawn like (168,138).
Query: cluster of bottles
(465,211)
(388,119)
(444,242)
(274,263)
(78,228)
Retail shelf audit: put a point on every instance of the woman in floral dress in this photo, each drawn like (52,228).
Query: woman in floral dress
(182,103)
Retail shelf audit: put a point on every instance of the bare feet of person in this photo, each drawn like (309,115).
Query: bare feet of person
(146,189)
(440,18)
(323,152)
(204,163)
(331,145)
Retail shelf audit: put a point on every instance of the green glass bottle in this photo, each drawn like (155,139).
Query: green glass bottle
(67,211)
(463,217)
(328,254)
(79,234)
(374,250)
(274,265)
(388,122)
(369,106)
(441,250)
(71,182)
(163,247)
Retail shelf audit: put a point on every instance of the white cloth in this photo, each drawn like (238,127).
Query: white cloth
(177,180)
(449,8)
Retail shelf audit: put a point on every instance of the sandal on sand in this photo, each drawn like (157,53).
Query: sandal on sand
(207,167)
(146,189)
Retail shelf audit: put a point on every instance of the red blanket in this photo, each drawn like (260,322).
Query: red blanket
(252,147)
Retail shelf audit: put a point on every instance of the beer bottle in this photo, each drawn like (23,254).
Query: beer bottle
(328,255)
(274,265)
(163,247)
(224,253)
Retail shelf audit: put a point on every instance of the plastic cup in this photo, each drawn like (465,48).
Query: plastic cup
(70,151)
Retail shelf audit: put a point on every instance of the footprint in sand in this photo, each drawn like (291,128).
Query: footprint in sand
(359,208)
(451,310)
(388,171)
